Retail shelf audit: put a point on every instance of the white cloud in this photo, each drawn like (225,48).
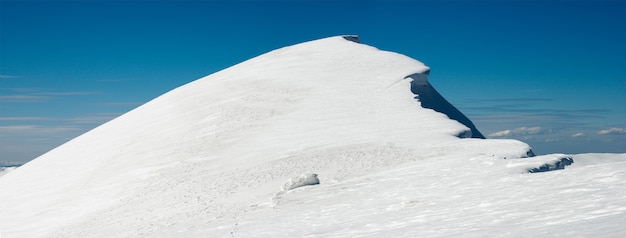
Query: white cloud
(500,133)
(529,130)
(68,93)
(579,134)
(24,118)
(612,131)
(123,104)
(22,98)
(517,131)
(38,95)
(93,119)
(97,118)
(35,129)
(2,76)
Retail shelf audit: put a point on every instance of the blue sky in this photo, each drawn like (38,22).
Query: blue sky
(551,73)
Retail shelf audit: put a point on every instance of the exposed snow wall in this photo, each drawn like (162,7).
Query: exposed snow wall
(430,98)
(353,38)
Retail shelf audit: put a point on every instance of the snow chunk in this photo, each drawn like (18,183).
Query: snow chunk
(556,164)
(543,163)
(299,181)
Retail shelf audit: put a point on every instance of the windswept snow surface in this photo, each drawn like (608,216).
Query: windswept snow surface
(208,160)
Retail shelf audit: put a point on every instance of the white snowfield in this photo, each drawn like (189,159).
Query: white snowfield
(208,159)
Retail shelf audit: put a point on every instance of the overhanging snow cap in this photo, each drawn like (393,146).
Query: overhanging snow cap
(353,38)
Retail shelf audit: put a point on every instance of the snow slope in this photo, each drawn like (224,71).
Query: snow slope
(6,170)
(208,159)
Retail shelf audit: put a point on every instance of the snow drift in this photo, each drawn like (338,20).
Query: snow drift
(207,158)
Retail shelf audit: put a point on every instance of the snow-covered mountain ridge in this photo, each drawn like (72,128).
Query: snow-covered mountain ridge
(209,159)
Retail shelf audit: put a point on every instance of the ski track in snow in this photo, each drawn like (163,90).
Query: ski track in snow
(208,160)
